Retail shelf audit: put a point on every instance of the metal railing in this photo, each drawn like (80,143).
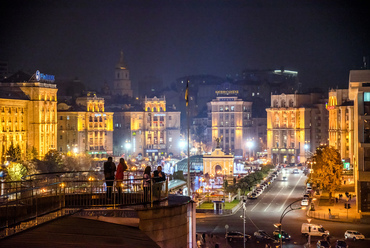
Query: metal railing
(25,203)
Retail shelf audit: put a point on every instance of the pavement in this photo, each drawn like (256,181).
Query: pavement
(337,211)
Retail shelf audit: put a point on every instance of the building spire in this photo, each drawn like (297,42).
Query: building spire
(121,63)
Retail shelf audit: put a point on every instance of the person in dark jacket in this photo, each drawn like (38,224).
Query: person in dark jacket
(109,169)
(146,183)
(159,175)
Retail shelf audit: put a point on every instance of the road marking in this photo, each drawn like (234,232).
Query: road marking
(273,199)
(290,194)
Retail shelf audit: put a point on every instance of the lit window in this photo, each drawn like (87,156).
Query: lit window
(366,96)
(253,94)
(67,117)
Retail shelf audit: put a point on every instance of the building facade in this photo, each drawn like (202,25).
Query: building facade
(359,93)
(341,123)
(231,118)
(28,108)
(296,125)
(153,131)
(85,127)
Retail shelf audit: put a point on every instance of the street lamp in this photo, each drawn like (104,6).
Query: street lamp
(128,147)
(250,145)
(288,209)
(244,208)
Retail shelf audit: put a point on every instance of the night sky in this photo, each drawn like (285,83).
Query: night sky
(322,40)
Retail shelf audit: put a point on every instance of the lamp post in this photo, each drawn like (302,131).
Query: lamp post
(250,145)
(244,207)
(288,209)
(309,233)
(128,147)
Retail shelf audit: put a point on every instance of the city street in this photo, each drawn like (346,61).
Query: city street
(266,210)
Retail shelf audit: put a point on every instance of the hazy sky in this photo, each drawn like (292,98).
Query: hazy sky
(322,40)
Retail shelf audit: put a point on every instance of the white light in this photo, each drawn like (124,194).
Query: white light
(250,144)
(127,145)
(306,146)
(75,150)
(182,144)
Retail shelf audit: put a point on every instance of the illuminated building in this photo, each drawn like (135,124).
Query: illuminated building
(28,108)
(122,82)
(230,118)
(85,127)
(341,123)
(151,131)
(359,92)
(296,125)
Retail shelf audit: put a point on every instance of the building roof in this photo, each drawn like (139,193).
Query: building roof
(121,63)
(19,76)
(7,92)
(359,76)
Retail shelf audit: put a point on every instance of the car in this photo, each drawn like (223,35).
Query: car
(284,178)
(261,234)
(304,202)
(284,235)
(323,244)
(230,236)
(306,196)
(252,196)
(353,234)
(341,244)
(295,171)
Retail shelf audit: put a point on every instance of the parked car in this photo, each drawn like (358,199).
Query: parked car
(295,171)
(352,234)
(252,196)
(284,235)
(230,236)
(304,202)
(261,234)
(306,196)
(323,244)
(285,178)
(341,244)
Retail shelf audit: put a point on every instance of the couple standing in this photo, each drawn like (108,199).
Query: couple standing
(158,176)
(111,174)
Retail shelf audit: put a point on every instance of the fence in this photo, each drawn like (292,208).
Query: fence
(26,203)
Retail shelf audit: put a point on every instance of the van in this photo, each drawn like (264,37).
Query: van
(314,230)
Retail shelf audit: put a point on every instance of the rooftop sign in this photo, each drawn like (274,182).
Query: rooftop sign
(44,77)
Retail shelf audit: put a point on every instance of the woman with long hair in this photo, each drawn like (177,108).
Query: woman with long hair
(146,183)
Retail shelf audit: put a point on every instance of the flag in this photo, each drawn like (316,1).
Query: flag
(187,93)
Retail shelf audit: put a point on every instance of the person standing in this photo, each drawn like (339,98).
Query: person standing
(146,183)
(159,175)
(109,169)
(121,168)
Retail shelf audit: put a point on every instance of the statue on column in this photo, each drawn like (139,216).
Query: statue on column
(218,141)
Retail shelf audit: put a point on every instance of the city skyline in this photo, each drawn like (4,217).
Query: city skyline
(168,40)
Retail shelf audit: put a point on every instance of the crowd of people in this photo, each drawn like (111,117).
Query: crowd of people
(113,174)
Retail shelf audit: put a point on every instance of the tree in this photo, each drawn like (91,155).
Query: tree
(53,161)
(31,153)
(327,169)
(16,171)
(14,153)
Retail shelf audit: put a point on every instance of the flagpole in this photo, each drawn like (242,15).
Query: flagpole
(188,122)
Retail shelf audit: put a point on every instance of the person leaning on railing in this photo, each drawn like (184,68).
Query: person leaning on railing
(121,168)
(109,169)
(146,183)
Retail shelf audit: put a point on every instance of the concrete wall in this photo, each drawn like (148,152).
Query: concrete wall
(168,226)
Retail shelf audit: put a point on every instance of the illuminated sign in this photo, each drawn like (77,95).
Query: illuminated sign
(226,99)
(227,92)
(159,114)
(44,77)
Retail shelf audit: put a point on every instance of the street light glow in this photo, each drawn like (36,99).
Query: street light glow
(127,145)
(250,144)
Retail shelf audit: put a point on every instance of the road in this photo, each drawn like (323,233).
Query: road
(263,212)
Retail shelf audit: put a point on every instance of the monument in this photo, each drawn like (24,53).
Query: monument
(218,163)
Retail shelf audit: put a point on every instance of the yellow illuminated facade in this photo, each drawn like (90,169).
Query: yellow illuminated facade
(231,118)
(218,163)
(296,125)
(85,127)
(341,123)
(359,93)
(155,131)
(28,115)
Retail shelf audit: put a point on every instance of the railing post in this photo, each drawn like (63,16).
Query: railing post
(113,195)
(36,208)
(151,192)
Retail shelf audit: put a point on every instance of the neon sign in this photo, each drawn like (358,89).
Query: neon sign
(44,77)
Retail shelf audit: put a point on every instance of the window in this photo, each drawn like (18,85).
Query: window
(61,118)
(221,109)
(61,136)
(170,117)
(232,108)
(170,139)
(366,96)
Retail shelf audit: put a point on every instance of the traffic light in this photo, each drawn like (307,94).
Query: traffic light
(279,235)
(347,205)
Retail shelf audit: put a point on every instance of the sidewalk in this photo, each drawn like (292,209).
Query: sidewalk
(337,210)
